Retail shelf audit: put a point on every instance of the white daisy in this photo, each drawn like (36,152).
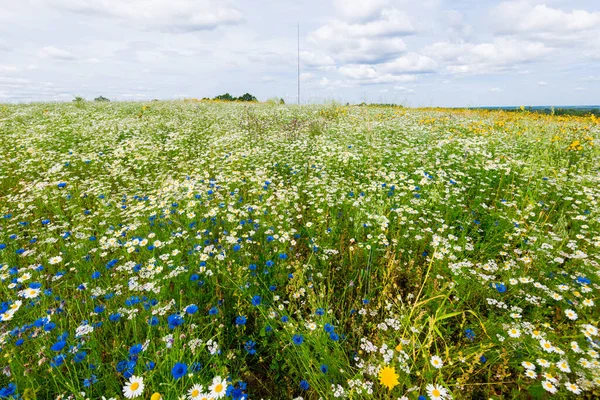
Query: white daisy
(514,333)
(563,366)
(572,315)
(436,392)
(549,386)
(528,365)
(573,388)
(134,388)
(195,392)
(588,302)
(543,362)
(55,260)
(218,387)
(436,362)
(530,374)
(546,345)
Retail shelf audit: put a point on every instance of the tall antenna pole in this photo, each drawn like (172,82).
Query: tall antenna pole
(298,63)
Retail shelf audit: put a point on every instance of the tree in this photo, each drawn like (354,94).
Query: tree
(247,97)
(101,98)
(224,97)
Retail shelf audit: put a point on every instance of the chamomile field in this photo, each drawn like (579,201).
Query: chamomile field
(207,250)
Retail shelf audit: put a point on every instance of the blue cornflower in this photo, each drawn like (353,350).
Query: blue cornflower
(179,370)
(324,368)
(256,300)
(192,309)
(114,317)
(80,356)
(240,320)
(58,346)
(298,339)
(135,349)
(304,384)
(250,346)
(174,320)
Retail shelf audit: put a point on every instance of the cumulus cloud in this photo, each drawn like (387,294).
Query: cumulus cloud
(369,74)
(541,22)
(410,63)
(372,40)
(489,57)
(360,10)
(164,15)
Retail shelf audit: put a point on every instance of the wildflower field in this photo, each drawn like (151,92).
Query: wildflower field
(202,250)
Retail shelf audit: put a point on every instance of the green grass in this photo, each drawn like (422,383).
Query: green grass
(384,236)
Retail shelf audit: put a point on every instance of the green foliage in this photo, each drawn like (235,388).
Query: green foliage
(444,244)
(228,97)
(101,99)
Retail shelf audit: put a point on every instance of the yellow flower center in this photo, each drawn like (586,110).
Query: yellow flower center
(134,386)
(435,392)
(195,392)
(218,388)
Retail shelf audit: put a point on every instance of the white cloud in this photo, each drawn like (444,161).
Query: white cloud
(491,57)
(410,63)
(547,24)
(56,53)
(315,59)
(369,74)
(164,15)
(360,10)
(495,90)
(523,16)
(371,41)
(542,83)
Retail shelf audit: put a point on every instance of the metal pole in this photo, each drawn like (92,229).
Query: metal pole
(298,63)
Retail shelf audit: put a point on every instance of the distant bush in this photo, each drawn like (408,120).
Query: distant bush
(78,99)
(101,98)
(228,97)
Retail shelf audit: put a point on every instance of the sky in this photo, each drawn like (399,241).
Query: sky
(453,53)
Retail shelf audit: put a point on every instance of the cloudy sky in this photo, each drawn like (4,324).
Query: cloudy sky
(418,53)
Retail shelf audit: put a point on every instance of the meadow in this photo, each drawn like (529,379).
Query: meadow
(208,250)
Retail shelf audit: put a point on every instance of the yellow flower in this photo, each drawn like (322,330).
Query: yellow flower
(388,377)
(156,396)
(399,347)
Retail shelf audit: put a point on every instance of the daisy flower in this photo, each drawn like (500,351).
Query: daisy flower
(55,260)
(573,388)
(436,392)
(195,392)
(436,362)
(563,366)
(549,386)
(546,345)
(217,388)
(134,388)
(31,293)
(543,362)
(572,315)
(528,365)
(549,377)
(588,302)
(514,333)
(530,374)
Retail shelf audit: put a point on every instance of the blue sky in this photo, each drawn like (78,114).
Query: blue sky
(417,53)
